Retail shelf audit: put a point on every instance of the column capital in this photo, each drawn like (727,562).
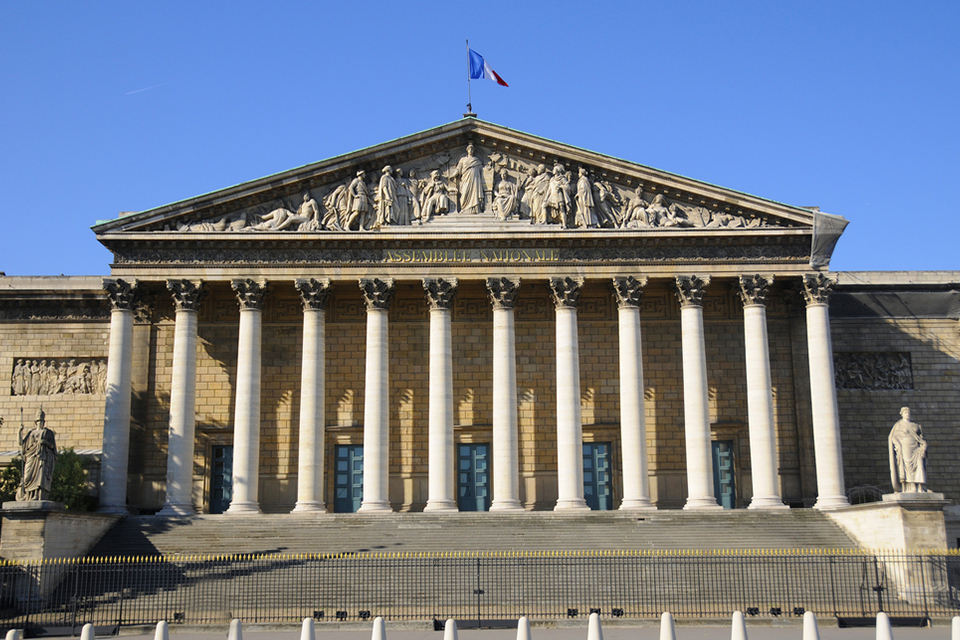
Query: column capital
(566,291)
(817,288)
(503,292)
(753,289)
(250,293)
(187,294)
(440,292)
(314,293)
(629,291)
(691,289)
(122,294)
(377,293)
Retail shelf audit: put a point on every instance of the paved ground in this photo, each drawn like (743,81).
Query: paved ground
(940,631)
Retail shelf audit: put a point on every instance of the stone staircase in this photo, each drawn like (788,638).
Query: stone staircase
(419,532)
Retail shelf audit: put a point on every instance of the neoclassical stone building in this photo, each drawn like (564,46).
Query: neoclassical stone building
(474,318)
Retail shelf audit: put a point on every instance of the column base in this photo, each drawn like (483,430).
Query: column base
(506,505)
(242,508)
(309,506)
(448,506)
(117,509)
(177,510)
(704,504)
(826,503)
(637,504)
(572,504)
(767,502)
(375,506)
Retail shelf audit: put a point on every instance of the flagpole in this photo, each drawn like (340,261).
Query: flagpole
(469,113)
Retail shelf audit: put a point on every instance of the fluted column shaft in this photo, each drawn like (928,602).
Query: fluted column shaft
(696,401)
(823,394)
(763,440)
(442,470)
(566,294)
(183,392)
(376,417)
(633,432)
(314,295)
(116,414)
(246,423)
(506,458)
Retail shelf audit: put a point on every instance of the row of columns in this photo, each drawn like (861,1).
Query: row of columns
(440,294)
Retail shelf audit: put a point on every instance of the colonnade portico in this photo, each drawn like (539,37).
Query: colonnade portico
(439,294)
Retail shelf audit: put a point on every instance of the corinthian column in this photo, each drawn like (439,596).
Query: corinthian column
(376,417)
(440,294)
(116,412)
(183,399)
(246,423)
(633,429)
(763,438)
(506,458)
(566,295)
(823,393)
(314,295)
(696,401)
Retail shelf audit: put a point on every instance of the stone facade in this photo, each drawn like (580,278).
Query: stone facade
(661,229)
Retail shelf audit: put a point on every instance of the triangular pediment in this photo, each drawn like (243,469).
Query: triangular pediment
(519,182)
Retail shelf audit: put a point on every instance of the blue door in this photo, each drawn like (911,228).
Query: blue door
(349,478)
(473,477)
(221,481)
(596,476)
(724,481)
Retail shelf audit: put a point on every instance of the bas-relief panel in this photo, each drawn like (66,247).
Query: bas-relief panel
(470,182)
(873,371)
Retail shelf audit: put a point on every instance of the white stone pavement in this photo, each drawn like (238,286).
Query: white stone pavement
(684,631)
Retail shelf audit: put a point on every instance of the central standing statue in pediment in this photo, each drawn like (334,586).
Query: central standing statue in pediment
(470,186)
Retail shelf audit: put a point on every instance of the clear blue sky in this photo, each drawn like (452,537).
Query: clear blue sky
(125,106)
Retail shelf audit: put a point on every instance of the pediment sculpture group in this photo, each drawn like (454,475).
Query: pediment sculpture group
(536,194)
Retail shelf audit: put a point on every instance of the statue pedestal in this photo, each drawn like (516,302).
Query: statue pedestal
(902,523)
(38,530)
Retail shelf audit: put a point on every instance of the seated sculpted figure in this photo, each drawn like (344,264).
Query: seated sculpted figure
(908,455)
(434,198)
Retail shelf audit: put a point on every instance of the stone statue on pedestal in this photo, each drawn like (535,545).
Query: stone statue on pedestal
(38,447)
(908,455)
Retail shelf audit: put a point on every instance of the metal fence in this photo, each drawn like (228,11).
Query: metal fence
(482,587)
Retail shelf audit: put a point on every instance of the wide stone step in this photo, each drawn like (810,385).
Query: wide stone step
(417,532)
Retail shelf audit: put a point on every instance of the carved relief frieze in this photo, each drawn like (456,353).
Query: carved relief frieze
(473,181)
(873,371)
(52,376)
(55,311)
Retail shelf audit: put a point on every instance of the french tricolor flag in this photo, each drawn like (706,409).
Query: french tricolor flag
(480,69)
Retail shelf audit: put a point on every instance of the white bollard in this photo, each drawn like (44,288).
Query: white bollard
(236,630)
(15,634)
(163,631)
(450,629)
(88,632)
(594,631)
(739,630)
(884,632)
(810,629)
(523,629)
(306,630)
(954,628)
(379,629)
(667,630)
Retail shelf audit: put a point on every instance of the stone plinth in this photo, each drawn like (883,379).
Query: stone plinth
(40,530)
(903,521)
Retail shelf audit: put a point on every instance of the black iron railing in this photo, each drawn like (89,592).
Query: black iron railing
(475,586)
